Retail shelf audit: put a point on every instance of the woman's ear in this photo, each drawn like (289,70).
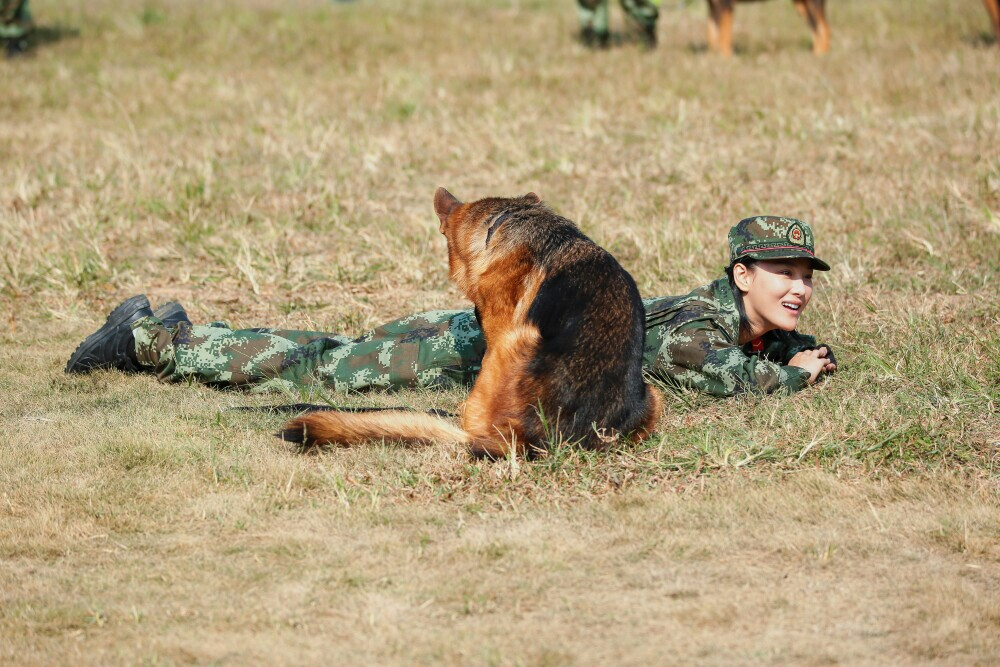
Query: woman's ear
(743,277)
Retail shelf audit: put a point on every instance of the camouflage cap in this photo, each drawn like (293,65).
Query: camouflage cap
(773,237)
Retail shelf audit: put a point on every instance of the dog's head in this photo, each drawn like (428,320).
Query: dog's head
(471,230)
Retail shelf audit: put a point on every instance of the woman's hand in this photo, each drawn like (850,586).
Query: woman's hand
(814,361)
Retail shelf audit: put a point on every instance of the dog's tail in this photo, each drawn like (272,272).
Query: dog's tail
(351,428)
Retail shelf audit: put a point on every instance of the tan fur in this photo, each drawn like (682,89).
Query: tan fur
(350,428)
(653,415)
(492,411)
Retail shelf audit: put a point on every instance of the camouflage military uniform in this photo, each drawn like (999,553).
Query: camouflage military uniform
(15,19)
(691,341)
(594,17)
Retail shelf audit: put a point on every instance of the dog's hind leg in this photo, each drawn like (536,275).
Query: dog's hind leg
(654,408)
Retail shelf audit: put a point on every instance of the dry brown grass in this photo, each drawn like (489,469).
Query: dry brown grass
(277,167)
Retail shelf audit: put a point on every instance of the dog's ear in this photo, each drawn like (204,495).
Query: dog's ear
(444,204)
(532,197)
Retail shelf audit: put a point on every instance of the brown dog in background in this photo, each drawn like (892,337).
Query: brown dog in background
(993,7)
(564,329)
(720,24)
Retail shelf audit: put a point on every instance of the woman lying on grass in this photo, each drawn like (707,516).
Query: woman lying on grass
(733,335)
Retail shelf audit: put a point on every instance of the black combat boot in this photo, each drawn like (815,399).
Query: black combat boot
(171,314)
(113,345)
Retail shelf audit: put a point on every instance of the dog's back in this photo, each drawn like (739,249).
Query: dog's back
(588,364)
(564,358)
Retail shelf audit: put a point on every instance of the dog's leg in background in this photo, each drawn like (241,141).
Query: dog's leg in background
(993,7)
(713,26)
(814,12)
(800,7)
(720,26)
(818,12)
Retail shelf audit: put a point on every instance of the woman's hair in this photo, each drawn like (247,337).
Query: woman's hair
(738,295)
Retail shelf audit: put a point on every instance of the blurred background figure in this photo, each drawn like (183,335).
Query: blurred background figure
(15,26)
(993,7)
(594,25)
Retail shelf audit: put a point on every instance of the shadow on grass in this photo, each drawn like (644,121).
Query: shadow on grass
(50,34)
(616,40)
(751,48)
(983,40)
(45,35)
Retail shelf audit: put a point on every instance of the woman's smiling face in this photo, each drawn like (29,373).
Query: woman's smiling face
(775,292)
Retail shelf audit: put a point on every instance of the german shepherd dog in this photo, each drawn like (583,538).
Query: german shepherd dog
(563,324)
(720,24)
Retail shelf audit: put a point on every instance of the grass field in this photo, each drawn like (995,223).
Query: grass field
(274,164)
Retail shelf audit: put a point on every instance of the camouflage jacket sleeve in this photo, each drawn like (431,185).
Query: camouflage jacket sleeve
(700,355)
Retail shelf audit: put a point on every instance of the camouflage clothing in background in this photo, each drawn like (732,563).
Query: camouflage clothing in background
(15,19)
(594,13)
(690,341)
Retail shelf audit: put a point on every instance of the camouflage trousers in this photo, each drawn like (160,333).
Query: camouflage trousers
(432,349)
(15,19)
(594,14)
(437,348)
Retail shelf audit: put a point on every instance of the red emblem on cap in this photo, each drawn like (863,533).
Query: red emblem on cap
(796,235)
